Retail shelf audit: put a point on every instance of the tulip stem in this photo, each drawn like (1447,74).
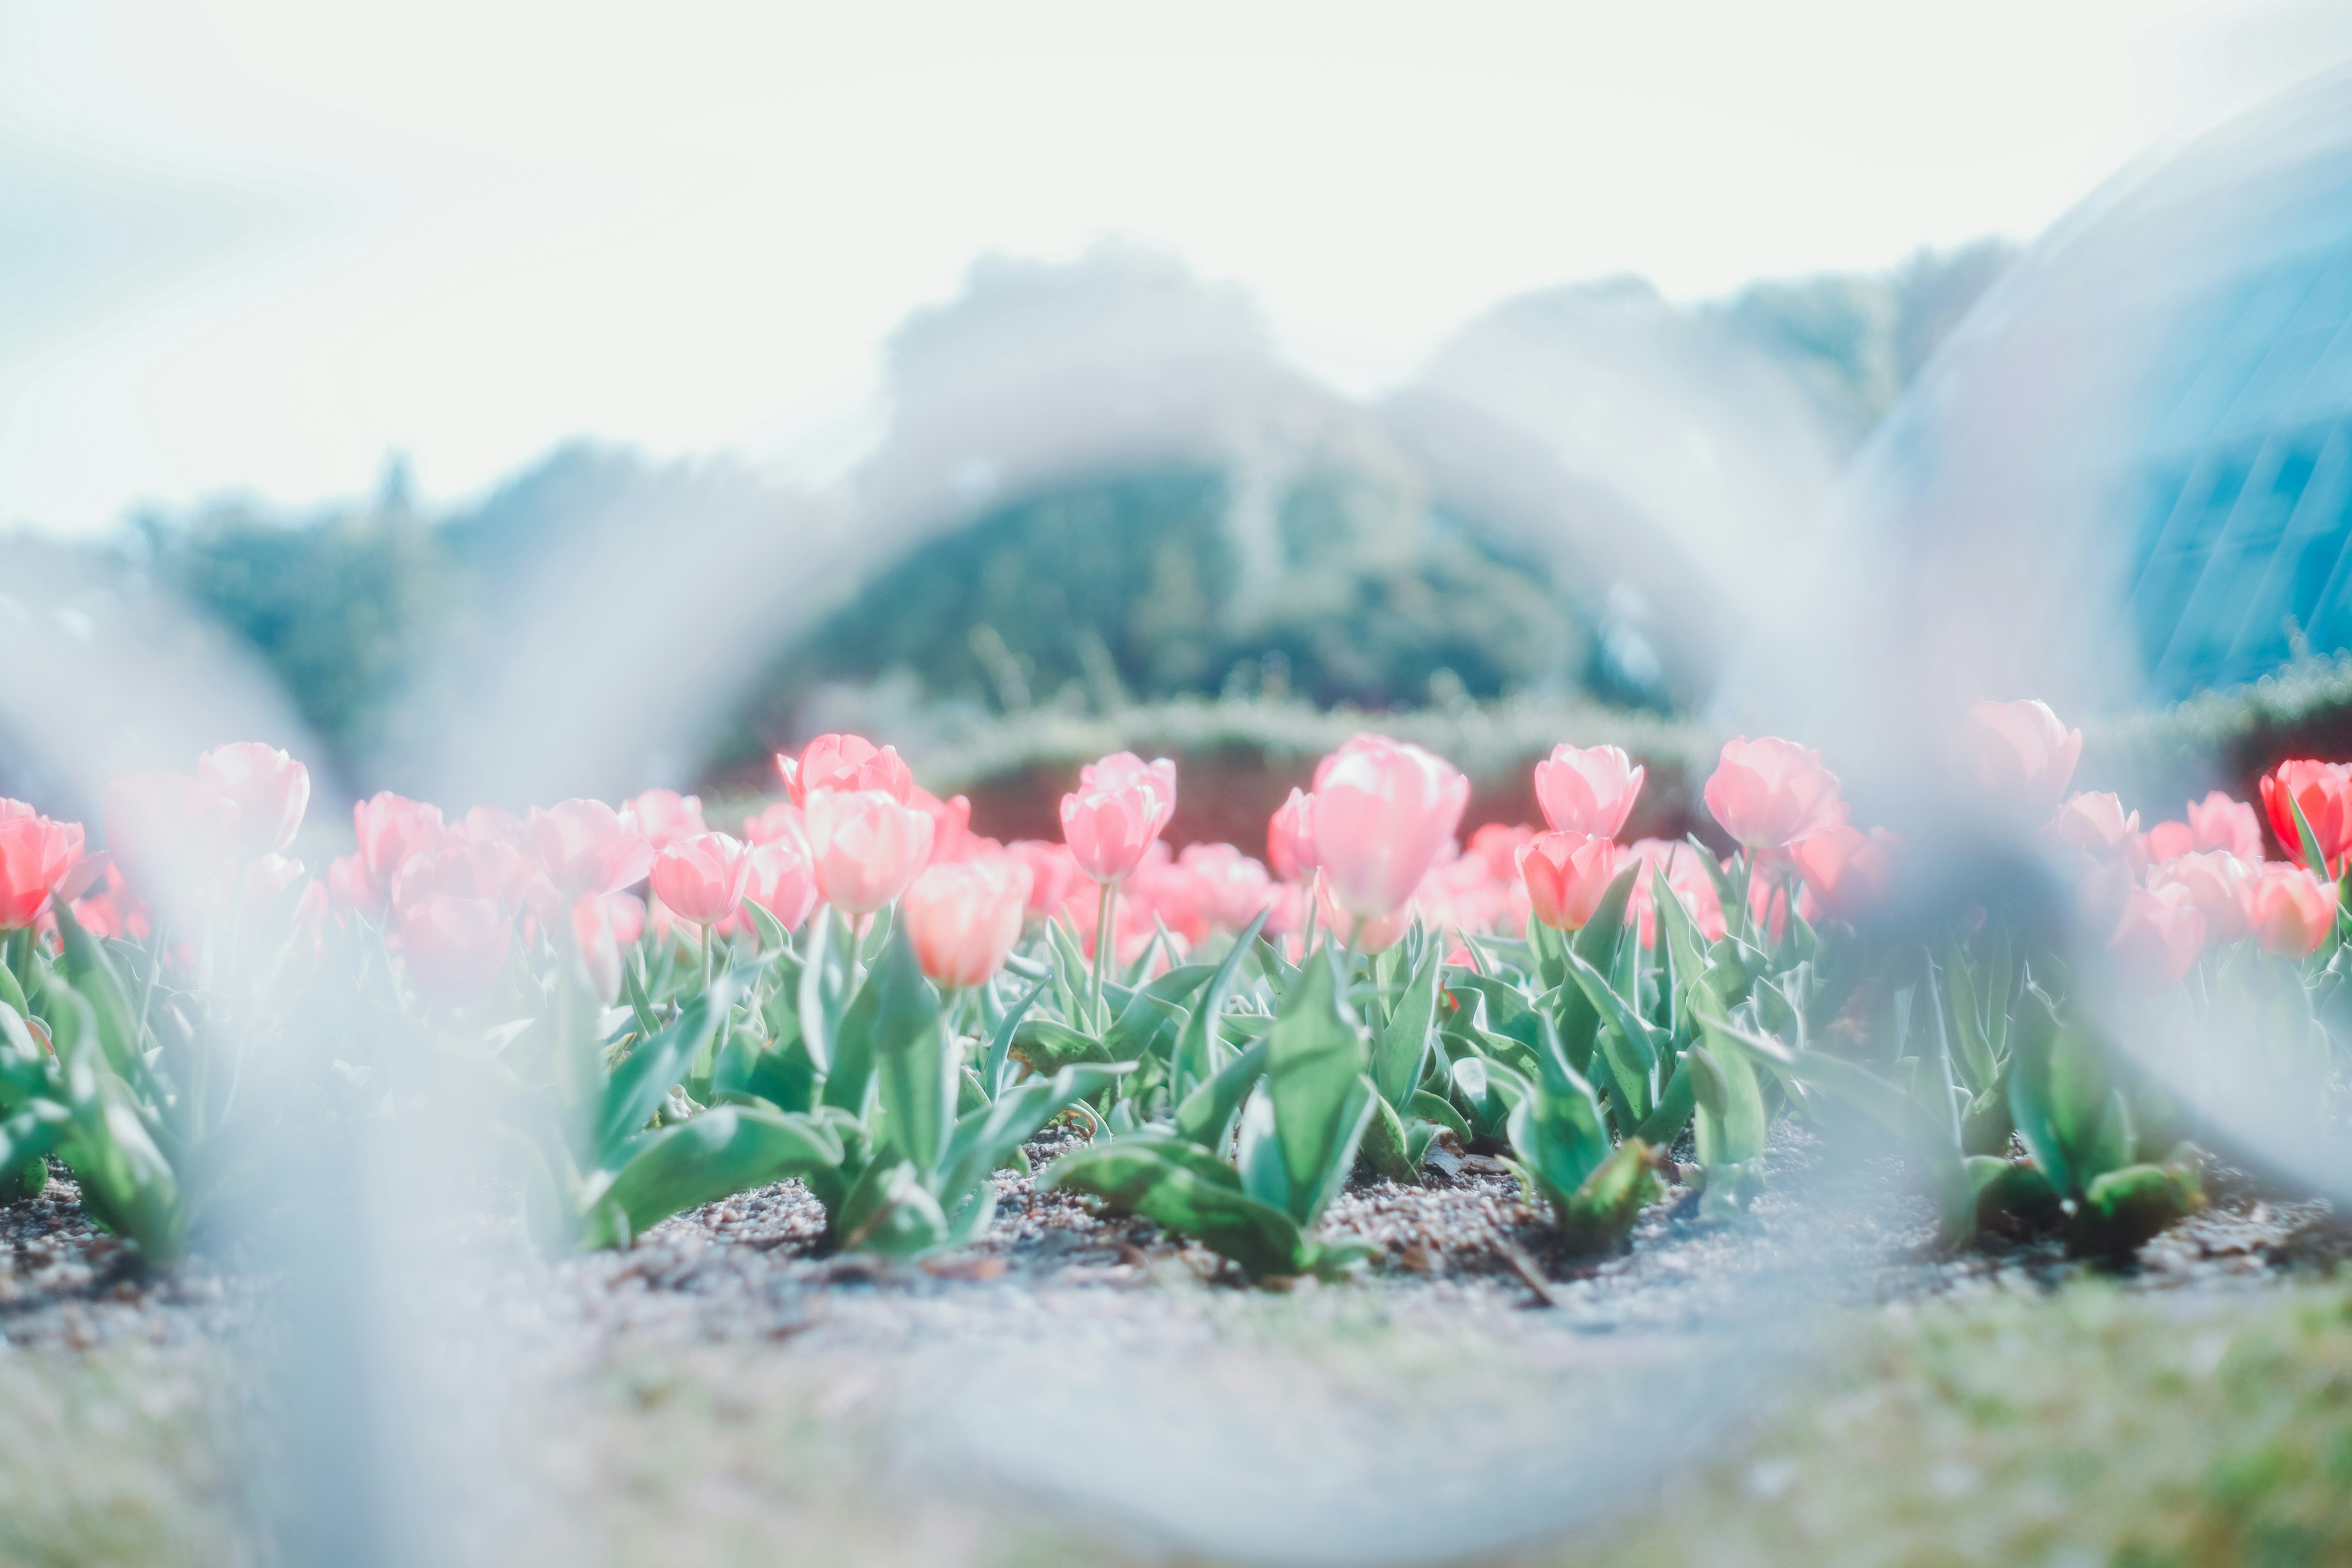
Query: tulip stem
(1103,944)
(706,956)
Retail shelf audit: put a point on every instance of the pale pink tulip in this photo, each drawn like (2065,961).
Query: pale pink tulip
(584,848)
(865,846)
(780,881)
(849,762)
(2097,824)
(391,828)
(2158,937)
(268,878)
(1385,811)
(171,835)
(1290,837)
(493,825)
(2167,841)
(1230,887)
(2324,790)
(349,888)
(1054,872)
(2023,752)
(1116,813)
(2232,827)
(1587,791)
(2289,910)
(464,869)
(963,918)
(1845,869)
(701,879)
(111,910)
(36,856)
(2215,882)
(1566,873)
(1365,933)
(597,937)
(951,824)
(1771,792)
(269,790)
(453,948)
(1495,846)
(778,819)
(663,816)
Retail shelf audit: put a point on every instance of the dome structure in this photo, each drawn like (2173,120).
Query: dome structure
(2128,475)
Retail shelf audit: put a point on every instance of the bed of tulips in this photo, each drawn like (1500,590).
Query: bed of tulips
(857,991)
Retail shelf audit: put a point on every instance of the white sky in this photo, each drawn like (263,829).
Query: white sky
(259,244)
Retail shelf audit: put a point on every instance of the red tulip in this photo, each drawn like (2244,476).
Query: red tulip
(2158,937)
(701,879)
(865,846)
(781,882)
(171,835)
(391,828)
(1587,791)
(2215,882)
(2324,790)
(1566,873)
(1290,837)
(846,762)
(1771,792)
(2023,752)
(2289,910)
(584,847)
(2097,824)
(36,856)
(1385,812)
(1116,813)
(453,948)
(1366,933)
(1845,868)
(2232,827)
(1230,887)
(963,918)
(663,816)
(269,789)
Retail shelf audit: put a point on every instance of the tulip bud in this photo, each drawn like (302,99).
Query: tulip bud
(1290,837)
(849,762)
(2158,937)
(1566,873)
(781,882)
(963,918)
(1587,791)
(2290,910)
(865,846)
(1384,812)
(1771,792)
(269,789)
(701,879)
(1116,813)
(2023,751)
(391,828)
(2323,790)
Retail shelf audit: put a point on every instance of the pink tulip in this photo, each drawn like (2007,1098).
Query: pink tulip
(493,825)
(1134,923)
(1385,812)
(269,789)
(584,847)
(1290,837)
(663,816)
(2023,751)
(1771,792)
(349,888)
(36,856)
(113,911)
(1566,873)
(2167,841)
(963,917)
(951,823)
(268,878)
(2097,824)
(2232,827)
(1588,790)
(2215,882)
(1768,906)
(2290,910)
(1116,813)
(1230,887)
(865,846)
(463,868)
(2158,937)
(701,879)
(1054,872)
(603,927)
(1495,846)
(849,762)
(1845,869)
(391,828)
(781,882)
(778,819)
(453,948)
(170,834)
(1685,878)
(2324,790)
(1167,894)
(1365,933)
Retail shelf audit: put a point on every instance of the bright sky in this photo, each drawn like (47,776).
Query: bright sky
(259,244)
